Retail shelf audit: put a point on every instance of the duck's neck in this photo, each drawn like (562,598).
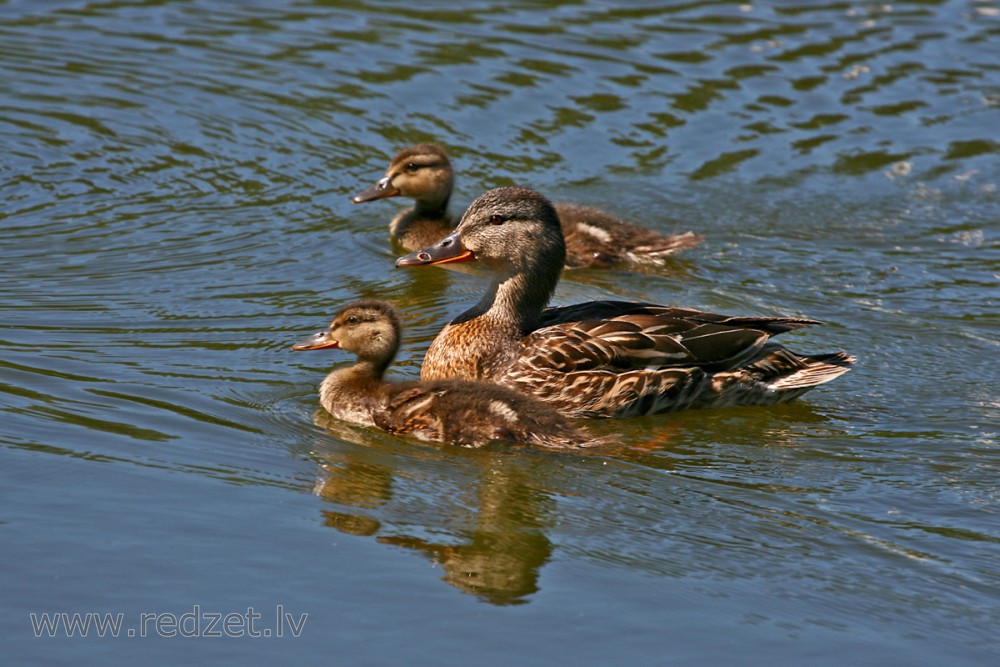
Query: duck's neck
(514,303)
(422,225)
(432,208)
(482,343)
(351,393)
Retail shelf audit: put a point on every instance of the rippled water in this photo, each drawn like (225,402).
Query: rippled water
(176,180)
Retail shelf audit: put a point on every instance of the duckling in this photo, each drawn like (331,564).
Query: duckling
(602,358)
(593,238)
(452,411)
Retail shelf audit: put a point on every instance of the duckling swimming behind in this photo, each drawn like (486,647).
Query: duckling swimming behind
(454,411)
(593,237)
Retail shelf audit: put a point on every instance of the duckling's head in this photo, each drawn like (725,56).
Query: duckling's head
(512,230)
(370,329)
(421,172)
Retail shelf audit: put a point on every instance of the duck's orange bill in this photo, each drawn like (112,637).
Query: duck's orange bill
(318,341)
(448,250)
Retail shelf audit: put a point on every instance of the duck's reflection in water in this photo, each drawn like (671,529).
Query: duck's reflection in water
(504,546)
(492,540)
(485,516)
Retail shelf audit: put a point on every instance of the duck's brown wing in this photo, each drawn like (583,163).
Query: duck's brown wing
(603,310)
(638,358)
(640,342)
(624,335)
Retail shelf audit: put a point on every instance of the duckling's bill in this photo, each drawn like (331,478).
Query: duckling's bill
(318,341)
(381,190)
(448,250)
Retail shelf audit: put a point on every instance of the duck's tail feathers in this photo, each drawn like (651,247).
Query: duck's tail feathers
(815,371)
(663,247)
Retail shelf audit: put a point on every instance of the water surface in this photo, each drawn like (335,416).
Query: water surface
(176,182)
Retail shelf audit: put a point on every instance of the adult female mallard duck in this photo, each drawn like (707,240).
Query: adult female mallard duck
(593,238)
(603,358)
(454,411)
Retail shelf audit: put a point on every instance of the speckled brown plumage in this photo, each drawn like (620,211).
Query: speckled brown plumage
(598,240)
(603,358)
(593,237)
(453,411)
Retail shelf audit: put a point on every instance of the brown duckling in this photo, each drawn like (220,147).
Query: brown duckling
(453,411)
(602,358)
(593,238)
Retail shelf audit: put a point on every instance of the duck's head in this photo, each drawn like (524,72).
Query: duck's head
(370,329)
(420,172)
(511,230)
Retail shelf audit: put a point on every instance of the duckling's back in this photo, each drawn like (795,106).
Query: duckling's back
(474,414)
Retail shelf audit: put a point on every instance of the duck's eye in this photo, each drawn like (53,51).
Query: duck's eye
(412,167)
(497,219)
(352,320)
